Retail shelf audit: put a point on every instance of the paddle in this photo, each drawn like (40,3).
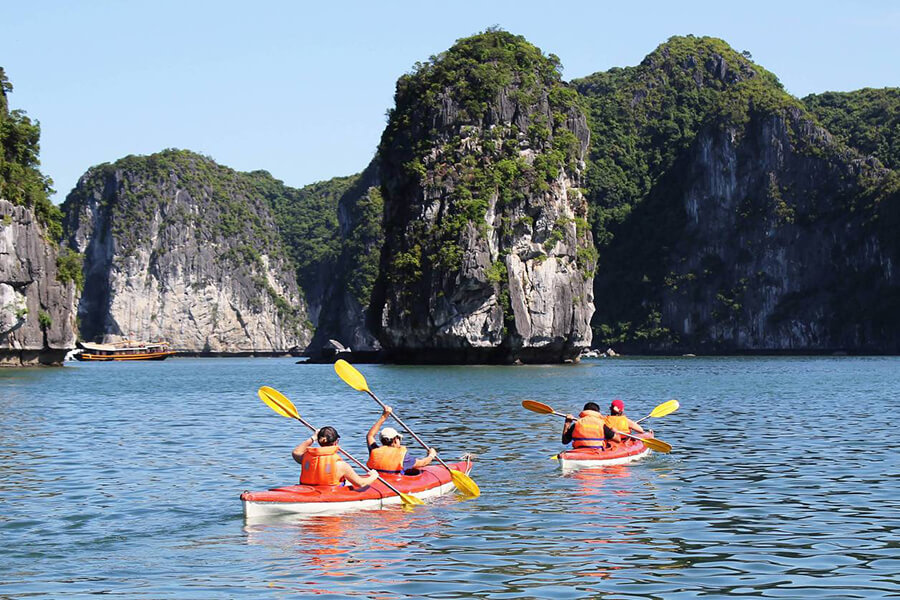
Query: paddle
(652,443)
(284,407)
(355,379)
(666,408)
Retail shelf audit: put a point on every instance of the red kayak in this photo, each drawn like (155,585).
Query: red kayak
(622,453)
(430,481)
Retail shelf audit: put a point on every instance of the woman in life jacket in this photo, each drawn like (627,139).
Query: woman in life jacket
(391,457)
(618,422)
(322,465)
(587,430)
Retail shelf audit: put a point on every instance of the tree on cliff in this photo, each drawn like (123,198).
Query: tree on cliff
(21,182)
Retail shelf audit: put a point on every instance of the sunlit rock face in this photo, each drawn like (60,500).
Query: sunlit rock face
(181,249)
(37,310)
(487,254)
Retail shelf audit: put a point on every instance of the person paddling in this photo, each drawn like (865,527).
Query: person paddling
(322,465)
(391,457)
(619,422)
(588,430)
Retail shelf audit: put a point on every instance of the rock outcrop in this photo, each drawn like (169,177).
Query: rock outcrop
(729,220)
(770,256)
(487,254)
(37,304)
(179,248)
(351,277)
(38,283)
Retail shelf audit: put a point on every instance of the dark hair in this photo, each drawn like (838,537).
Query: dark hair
(592,406)
(328,436)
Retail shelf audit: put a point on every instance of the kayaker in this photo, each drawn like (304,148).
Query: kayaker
(619,422)
(588,430)
(322,465)
(391,457)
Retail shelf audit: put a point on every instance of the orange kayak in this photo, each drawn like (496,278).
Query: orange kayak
(626,452)
(431,481)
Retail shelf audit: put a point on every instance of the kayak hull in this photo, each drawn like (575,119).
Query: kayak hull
(581,458)
(432,481)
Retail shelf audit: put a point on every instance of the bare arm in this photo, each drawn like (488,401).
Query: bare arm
(300,450)
(358,481)
(635,426)
(567,429)
(370,437)
(424,462)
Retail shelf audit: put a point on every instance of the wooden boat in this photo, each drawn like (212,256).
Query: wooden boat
(431,481)
(125,350)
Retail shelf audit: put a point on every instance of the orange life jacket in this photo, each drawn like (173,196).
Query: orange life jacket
(588,430)
(320,466)
(619,423)
(387,459)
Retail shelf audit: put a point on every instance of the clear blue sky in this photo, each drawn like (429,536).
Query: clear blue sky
(301,89)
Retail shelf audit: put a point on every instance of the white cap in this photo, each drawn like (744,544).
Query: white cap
(389,433)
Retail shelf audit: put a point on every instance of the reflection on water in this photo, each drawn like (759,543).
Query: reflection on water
(117,480)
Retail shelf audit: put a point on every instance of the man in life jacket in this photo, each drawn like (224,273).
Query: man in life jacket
(588,431)
(391,457)
(322,465)
(618,422)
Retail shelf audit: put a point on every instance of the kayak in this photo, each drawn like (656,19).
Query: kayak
(431,481)
(623,453)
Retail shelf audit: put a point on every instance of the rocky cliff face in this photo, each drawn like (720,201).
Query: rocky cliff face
(351,277)
(179,248)
(747,226)
(770,256)
(37,304)
(487,254)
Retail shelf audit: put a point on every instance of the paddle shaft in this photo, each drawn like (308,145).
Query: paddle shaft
(348,455)
(406,427)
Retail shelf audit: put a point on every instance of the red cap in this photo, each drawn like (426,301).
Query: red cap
(618,405)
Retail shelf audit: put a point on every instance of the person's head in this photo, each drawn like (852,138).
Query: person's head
(592,406)
(617,407)
(390,437)
(328,436)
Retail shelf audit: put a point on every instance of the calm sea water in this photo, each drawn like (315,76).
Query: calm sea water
(123,479)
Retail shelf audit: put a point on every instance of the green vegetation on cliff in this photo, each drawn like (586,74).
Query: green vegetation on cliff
(459,125)
(21,182)
(643,118)
(867,119)
(645,121)
(307,221)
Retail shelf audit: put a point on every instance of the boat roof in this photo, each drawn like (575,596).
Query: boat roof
(123,345)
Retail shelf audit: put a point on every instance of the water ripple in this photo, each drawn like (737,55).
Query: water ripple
(117,480)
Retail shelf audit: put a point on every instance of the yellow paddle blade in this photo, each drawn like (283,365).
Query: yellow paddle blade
(464,483)
(657,445)
(351,376)
(538,407)
(277,402)
(409,500)
(666,408)
(554,457)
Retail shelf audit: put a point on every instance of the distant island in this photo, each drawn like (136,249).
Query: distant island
(686,205)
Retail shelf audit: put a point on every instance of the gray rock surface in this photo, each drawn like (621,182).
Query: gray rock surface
(513,283)
(37,311)
(180,249)
(780,262)
(348,291)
